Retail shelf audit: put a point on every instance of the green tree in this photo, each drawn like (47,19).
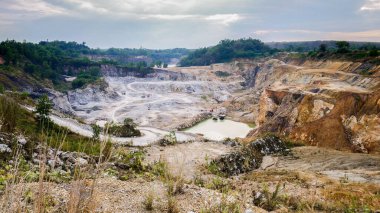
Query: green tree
(43,110)
(96,132)
(343,46)
(165,65)
(322,48)
(159,64)
(374,52)
(2,89)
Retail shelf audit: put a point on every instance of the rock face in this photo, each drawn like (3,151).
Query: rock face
(250,156)
(321,103)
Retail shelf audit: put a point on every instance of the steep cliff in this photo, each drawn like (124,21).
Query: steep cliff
(323,103)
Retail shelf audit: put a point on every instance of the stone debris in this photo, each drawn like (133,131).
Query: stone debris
(5,148)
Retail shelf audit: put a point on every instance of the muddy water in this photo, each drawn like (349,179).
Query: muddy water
(220,129)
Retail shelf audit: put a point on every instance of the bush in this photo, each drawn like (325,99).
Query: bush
(268,200)
(132,160)
(222,74)
(128,129)
(169,139)
(219,184)
(148,202)
(374,53)
(43,109)
(175,185)
(172,205)
(78,83)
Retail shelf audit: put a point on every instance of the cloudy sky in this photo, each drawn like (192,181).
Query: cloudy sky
(187,23)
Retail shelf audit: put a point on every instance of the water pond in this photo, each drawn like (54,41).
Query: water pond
(220,129)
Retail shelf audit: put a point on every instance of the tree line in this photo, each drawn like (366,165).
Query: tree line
(227,50)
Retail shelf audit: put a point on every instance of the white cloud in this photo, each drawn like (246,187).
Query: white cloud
(87,5)
(225,19)
(134,6)
(371,5)
(36,7)
(266,32)
(167,10)
(295,35)
(169,17)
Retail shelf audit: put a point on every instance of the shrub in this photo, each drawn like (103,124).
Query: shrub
(169,139)
(78,83)
(127,129)
(43,109)
(197,180)
(148,202)
(96,132)
(175,185)
(160,169)
(223,207)
(132,161)
(219,184)
(268,200)
(172,205)
(222,74)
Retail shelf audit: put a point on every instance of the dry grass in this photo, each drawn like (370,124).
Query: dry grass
(273,175)
(172,205)
(17,197)
(353,197)
(225,205)
(149,201)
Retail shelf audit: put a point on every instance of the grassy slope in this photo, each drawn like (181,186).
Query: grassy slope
(27,125)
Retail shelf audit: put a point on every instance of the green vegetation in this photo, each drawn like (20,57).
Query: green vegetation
(222,74)
(43,109)
(343,50)
(220,184)
(127,129)
(87,77)
(148,202)
(227,50)
(50,62)
(18,120)
(269,200)
(45,60)
(307,46)
(9,114)
(224,206)
(172,205)
(139,67)
(126,55)
(96,132)
(169,139)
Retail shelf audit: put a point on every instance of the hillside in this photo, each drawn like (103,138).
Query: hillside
(51,64)
(227,50)
(307,46)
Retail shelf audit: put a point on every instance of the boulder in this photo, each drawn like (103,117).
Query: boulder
(250,157)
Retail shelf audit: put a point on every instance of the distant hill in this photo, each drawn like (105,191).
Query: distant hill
(306,46)
(49,63)
(227,50)
(126,55)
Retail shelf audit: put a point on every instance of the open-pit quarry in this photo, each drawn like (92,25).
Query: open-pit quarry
(327,108)
(164,101)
